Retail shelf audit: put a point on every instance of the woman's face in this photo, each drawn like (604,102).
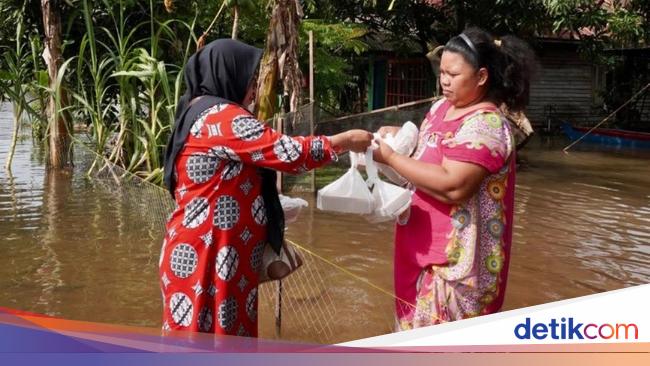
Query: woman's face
(251,94)
(461,83)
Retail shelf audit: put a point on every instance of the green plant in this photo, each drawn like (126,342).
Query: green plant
(335,45)
(125,90)
(17,82)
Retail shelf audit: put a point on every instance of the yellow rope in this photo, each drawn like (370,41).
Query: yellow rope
(359,278)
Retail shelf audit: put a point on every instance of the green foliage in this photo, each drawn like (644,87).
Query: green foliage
(243,5)
(124,88)
(124,58)
(625,26)
(599,25)
(16,80)
(333,45)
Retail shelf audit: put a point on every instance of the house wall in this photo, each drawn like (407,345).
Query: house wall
(566,86)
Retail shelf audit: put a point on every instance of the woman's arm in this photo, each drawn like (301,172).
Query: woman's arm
(233,134)
(452,182)
(353,140)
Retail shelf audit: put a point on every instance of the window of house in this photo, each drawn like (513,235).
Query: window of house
(408,80)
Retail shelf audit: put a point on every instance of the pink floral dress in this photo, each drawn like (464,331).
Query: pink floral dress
(451,261)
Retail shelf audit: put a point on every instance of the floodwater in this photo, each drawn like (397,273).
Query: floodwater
(80,248)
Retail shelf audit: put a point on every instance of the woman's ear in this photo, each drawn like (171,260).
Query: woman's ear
(482,76)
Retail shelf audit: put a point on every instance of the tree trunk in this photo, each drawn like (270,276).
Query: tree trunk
(235,21)
(59,137)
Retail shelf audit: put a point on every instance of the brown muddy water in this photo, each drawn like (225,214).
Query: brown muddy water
(77,248)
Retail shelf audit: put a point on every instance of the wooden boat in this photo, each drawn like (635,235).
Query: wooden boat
(609,136)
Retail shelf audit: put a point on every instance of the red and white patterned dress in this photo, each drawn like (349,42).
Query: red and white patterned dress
(215,237)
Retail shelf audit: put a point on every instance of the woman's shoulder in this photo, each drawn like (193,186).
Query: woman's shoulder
(488,117)
(485,128)
(226,110)
(236,108)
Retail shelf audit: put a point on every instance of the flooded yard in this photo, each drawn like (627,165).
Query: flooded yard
(76,248)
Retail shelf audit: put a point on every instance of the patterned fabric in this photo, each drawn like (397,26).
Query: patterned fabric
(215,238)
(451,261)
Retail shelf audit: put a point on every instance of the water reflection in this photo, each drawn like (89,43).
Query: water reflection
(56,189)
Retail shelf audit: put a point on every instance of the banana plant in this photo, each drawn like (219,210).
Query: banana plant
(280,59)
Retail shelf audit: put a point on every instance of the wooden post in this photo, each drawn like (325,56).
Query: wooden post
(235,21)
(311,66)
(371,82)
(278,309)
(312,180)
(279,127)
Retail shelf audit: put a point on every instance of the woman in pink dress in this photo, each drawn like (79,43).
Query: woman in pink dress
(452,247)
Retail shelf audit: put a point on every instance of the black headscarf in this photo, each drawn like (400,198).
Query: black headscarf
(221,73)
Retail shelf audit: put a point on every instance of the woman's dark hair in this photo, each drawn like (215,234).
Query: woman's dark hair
(510,63)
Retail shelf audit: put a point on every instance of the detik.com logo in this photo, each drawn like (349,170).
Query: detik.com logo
(568,328)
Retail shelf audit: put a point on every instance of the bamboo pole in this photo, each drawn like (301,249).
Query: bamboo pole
(312,180)
(386,109)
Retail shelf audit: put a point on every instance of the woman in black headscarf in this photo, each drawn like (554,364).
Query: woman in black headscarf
(220,168)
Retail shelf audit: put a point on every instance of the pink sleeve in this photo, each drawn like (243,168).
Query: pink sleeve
(484,139)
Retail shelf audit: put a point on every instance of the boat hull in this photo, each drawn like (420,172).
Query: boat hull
(610,137)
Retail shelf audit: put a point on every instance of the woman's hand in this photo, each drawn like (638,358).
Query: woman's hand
(385,130)
(359,140)
(353,140)
(383,153)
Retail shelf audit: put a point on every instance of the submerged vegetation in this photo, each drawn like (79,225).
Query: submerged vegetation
(125,90)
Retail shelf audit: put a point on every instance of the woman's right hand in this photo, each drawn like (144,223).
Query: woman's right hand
(353,140)
(385,130)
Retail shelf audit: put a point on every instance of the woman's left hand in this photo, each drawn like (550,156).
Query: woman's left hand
(383,153)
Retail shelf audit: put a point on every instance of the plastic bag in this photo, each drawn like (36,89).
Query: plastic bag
(348,194)
(291,207)
(406,139)
(403,143)
(390,200)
